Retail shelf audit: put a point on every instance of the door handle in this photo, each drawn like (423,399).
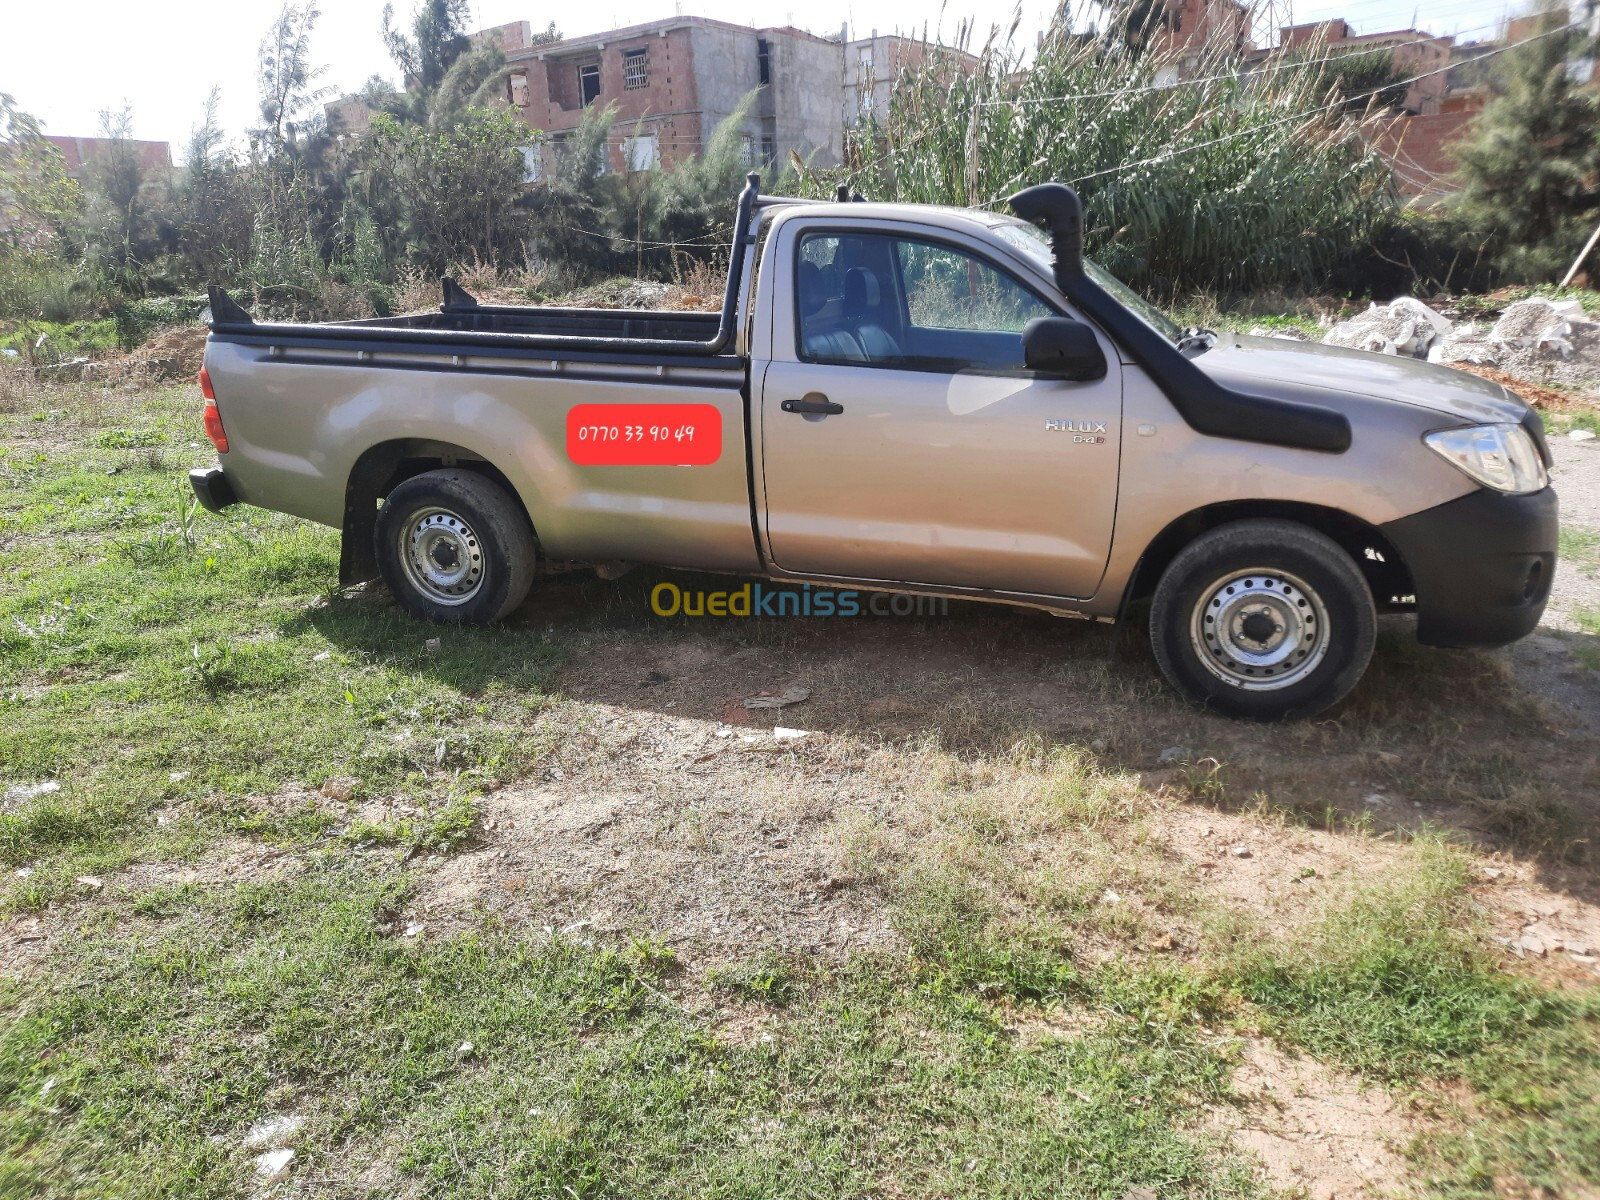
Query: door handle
(814,404)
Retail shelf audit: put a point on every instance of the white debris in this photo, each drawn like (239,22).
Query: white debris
(177,776)
(432,645)
(781,734)
(1110,897)
(1240,852)
(1532,322)
(415,928)
(272,1132)
(1419,310)
(30,791)
(1405,326)
(789,695)
(1544,341)
(274,1164)
(1581,435)
(1173,754)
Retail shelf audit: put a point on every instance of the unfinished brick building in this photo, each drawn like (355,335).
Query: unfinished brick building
(674,80)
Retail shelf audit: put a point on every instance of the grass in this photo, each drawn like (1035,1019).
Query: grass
(1580,548)
(1064,1006)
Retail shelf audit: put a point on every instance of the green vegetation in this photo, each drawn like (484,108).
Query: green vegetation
(1528,166)
(1230,183)
(1206,186)
(200,691)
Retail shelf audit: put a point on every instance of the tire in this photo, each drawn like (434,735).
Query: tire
(1264,620)
(455,547)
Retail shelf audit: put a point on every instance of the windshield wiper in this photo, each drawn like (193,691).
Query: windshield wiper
(1196,338)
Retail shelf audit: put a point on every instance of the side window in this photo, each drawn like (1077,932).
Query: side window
(947,289)
(907,304)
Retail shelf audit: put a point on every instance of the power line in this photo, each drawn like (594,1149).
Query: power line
(1301,116)
(1231,76)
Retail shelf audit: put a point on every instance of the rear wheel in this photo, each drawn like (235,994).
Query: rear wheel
(1264,620)
(455,547)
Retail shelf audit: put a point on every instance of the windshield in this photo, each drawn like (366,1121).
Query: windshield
(1035,243)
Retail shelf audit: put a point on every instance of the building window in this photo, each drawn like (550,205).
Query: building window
(532,164)
(747,152)
(588,84)
(643,152)
(769,153)
(519,90)
(763,61)
(635,69)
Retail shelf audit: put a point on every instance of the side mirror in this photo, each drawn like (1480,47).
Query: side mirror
(1062,349)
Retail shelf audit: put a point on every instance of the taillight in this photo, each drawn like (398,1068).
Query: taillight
(213,418)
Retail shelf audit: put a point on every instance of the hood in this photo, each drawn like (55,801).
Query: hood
(1284,367)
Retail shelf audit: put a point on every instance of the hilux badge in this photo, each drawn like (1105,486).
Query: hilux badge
(1075,426)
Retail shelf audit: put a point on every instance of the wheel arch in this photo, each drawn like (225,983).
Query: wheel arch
(1374,554)
(378,471)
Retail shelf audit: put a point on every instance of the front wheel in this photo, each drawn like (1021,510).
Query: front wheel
(1265,620)
(455,547)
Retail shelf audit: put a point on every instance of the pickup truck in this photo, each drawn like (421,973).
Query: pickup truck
(916,399)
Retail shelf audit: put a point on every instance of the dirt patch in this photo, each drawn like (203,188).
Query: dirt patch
(1551,933)
(1315,1129)
(175,353)
(1279,872)
(686,836)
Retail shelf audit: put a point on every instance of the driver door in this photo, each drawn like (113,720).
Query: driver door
(902,440)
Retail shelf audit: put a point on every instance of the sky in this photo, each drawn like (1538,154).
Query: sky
(66,61)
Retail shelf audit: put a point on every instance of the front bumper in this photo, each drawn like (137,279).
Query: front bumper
(1481,566)
(212,488)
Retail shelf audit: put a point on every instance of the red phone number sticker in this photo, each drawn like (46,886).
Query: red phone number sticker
(644,435)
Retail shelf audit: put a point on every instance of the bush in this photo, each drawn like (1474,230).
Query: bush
(1203,187)
(136,320)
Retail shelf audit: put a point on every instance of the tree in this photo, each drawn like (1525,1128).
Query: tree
(1143,20)
(214,216)
(445,196)
(438,37)
(290,105)
(475,80)
(121,229)
(1531,170)
(36,197)
(1367,78)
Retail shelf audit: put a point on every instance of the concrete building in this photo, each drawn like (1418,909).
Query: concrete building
(674,81)
(871,65)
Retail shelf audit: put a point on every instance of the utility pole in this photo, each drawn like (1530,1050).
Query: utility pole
(1268,19)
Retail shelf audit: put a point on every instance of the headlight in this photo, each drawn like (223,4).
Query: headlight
(1502,457)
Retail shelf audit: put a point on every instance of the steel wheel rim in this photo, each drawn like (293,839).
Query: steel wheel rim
(442,556)
(1260,630)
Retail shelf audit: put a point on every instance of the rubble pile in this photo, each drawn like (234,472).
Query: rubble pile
(1405,327)
(1537,340)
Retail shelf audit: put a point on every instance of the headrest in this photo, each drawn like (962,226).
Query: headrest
(860,290)
(813,291)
